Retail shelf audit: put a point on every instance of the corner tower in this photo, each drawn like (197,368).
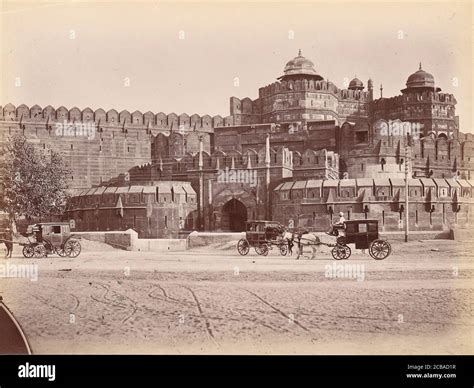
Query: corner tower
(423,102)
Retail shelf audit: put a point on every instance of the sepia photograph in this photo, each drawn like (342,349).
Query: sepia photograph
(258,178)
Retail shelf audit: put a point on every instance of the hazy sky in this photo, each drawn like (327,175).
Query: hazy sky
(79,54)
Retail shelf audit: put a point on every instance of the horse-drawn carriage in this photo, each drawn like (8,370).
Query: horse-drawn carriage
(365,235)
(262,236)
(50,237)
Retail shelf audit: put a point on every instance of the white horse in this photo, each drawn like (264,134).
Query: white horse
(306,239)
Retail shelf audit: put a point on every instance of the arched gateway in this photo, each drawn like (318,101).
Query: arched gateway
(234,215)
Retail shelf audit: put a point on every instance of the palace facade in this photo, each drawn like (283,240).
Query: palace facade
(301,151)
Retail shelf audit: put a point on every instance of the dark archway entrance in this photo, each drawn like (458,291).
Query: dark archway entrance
(234,215)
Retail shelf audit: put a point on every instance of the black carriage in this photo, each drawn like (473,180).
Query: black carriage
(365,235)
(262,235)
(49,238)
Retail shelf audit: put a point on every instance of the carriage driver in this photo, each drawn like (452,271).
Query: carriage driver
(333,231)
(38,232)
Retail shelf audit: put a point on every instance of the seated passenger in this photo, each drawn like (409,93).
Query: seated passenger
(38,232)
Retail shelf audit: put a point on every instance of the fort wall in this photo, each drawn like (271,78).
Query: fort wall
(434,204)
(102,145)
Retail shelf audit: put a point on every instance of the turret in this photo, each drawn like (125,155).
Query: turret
(370,88)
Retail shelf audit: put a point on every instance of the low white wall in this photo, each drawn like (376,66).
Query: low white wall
(201,239)
(128,240)
(158,245)
(117,239)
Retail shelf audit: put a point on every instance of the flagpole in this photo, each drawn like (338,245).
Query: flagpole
(267,177)
(406,189)
(201,188)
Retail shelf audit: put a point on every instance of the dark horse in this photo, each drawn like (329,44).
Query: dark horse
(7,240)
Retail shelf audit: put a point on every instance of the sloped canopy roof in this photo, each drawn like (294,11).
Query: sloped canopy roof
(441,182)
(164,188)
(122,190)
(287,186)
(314,183)
(330,183)
(452,182)
(347,183)
(188,188)
(427,182)
(178,189)
(365,182)
(278,187)
(414,182)
(135,189)
(100,190)
(464,183)
(299,185)
(382,182)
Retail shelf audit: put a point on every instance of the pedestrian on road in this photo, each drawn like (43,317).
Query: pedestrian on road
(290,245)
(8,237)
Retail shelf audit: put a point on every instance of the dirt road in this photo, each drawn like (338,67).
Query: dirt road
(418,301)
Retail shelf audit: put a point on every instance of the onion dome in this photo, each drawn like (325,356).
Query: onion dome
(356,84)
(300,66)
(421,80)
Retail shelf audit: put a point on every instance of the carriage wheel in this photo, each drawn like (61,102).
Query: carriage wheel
(40,251)
(341,252)
(28,251)
(262,249)
(283,249)
(379,249)
(61,252)
(72,248)
(243,246)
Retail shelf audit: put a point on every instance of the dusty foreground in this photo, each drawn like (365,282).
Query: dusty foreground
(417,301)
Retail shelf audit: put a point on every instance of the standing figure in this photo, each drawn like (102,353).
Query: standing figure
(8,237)
(290,245)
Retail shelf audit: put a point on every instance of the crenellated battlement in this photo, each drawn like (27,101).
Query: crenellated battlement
(23,113)
(312,86)
(297,85)
(347,94)
(414,97)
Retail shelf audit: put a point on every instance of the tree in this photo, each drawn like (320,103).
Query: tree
(33,182)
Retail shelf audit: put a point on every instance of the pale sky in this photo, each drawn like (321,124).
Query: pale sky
(140,41)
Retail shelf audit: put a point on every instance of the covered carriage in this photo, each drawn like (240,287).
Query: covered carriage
(262,235)
(49,238)
(365,235)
